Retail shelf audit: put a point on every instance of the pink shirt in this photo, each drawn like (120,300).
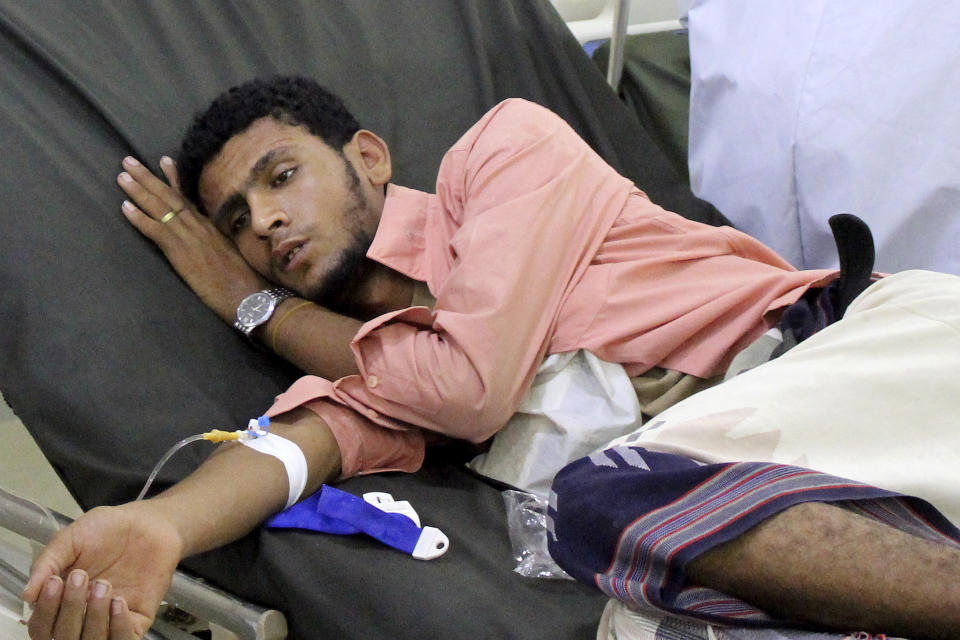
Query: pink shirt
(532,245)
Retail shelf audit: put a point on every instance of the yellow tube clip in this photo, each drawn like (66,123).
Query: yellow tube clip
(222,436)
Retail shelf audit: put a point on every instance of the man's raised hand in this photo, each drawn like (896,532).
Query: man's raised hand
(206,259)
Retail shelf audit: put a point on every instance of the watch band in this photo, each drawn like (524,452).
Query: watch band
(257,308)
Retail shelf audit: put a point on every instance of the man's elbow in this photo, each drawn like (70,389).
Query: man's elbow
(477,416)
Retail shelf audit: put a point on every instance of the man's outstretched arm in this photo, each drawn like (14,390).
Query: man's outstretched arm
(819,564)
(105,575)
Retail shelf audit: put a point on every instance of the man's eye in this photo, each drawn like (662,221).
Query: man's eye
(282,177)
(239,222)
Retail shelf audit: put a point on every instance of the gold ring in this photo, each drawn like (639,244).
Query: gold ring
(168,216)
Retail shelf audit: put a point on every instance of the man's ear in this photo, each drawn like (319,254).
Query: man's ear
(374,156)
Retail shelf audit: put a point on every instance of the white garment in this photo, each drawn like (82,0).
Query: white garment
(618,622)
(871,398)
(802,109)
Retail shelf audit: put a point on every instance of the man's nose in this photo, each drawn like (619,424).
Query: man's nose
(266,218)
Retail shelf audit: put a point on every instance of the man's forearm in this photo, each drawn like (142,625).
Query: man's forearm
(311,337)
(237,488)
(815,563)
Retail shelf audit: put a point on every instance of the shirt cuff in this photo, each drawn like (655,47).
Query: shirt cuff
(365,447)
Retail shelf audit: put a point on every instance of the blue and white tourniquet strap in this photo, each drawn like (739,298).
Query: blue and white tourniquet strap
(392,523)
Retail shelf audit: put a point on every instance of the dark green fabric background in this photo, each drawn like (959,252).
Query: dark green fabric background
(656,87)
(107,356)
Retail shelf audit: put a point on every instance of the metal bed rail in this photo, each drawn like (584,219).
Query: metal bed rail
(621,18)
(613,22)
(246,621)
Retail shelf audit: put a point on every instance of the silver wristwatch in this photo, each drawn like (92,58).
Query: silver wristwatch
(256,308)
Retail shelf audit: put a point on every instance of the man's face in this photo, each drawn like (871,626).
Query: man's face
(301,214)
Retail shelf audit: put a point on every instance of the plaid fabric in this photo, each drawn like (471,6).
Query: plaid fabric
(629,520)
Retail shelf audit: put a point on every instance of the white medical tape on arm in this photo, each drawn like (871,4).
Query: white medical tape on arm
(290,454)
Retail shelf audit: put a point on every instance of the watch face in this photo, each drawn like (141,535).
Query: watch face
(254,309)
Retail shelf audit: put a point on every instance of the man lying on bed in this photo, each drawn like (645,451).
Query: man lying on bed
(531,245)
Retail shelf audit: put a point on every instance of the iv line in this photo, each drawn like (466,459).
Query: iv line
(256,429)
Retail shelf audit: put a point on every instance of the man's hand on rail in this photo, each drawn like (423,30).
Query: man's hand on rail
(103,577)
(206,259)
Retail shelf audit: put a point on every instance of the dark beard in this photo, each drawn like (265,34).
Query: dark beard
(338,286)
(337,290)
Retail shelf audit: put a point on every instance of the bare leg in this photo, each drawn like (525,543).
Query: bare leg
(816,563)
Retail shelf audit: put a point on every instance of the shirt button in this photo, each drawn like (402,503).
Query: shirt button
(372,381)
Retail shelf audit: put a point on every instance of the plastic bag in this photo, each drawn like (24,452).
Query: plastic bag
(527,525)
(576,404)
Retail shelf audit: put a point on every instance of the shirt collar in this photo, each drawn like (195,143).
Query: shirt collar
(400,241)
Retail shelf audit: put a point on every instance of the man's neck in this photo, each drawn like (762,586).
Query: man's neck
(382,290)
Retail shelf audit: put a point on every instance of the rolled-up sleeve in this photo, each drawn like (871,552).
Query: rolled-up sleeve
(365,446)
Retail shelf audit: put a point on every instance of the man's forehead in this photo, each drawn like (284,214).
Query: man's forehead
(247,146)
(226,172)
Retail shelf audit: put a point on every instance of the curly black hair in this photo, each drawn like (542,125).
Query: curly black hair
(290,99)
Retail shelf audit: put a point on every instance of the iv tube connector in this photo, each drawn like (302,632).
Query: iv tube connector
(223,436)
(257,428)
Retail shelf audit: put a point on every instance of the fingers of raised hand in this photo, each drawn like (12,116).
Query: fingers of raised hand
(154,197)
(145,223)
(170,171)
